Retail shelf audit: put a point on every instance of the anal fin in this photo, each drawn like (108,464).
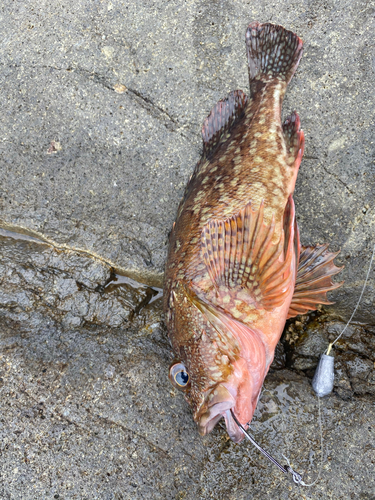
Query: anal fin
(313,281)
(294,139)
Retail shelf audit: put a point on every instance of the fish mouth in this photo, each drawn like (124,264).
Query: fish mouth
(220,407)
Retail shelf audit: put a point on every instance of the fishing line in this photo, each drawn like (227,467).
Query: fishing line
(322,384)
(324,376)
(356,307)
(286,469)
(323,380)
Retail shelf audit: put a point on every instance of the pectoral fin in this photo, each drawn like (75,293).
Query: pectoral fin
(243,261)
(313,281)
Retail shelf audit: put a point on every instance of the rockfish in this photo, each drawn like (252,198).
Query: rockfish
(235,270)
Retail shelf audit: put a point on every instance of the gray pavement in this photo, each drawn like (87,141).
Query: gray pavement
(101,109)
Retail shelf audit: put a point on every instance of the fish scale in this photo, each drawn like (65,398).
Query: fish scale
(260,167)
(235,270)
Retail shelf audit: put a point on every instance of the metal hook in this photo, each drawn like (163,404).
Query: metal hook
(297,478)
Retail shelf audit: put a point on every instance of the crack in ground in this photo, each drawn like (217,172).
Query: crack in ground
(21,233)
(145,102)
(131,301)
(337,178)
(108,421)
(149,101)
(96,77)
(84,428)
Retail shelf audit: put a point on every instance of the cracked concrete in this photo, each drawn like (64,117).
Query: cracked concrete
(102,104)
(61,66)
(337,178)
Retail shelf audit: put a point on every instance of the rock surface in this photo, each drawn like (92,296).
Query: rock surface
(102,104)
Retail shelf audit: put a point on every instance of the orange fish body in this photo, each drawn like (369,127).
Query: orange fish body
(235,271)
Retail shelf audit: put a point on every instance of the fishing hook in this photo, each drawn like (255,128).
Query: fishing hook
(297,478)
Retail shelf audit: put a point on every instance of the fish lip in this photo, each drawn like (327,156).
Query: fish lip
(207,421)
(215,413)
(234,432)
(217,395)
(220,406)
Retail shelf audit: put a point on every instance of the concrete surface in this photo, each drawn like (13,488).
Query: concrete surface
(101,109)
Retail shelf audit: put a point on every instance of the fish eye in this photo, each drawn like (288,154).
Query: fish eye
(179,376)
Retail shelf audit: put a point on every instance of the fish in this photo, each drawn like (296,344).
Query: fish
(236,270)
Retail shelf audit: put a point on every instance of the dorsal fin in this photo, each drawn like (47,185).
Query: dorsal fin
(222,117)
(240,256)
(313,281)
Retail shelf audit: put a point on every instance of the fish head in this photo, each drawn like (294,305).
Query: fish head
(220,374)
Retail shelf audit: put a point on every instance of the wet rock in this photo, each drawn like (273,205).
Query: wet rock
(358,367)
(356,338)
(306,339)
(342,383)
(359,370)
(305,363)
(313,342)
(39,281)
(279,360)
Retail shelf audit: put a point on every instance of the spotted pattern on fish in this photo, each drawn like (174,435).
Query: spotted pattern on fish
(234,249)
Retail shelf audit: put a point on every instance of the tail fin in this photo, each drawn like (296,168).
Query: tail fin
(272,52)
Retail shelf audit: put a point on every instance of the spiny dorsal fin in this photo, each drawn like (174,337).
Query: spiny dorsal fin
(223,115)
(294,139)
(240,256)
(272,52)
(313,281)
